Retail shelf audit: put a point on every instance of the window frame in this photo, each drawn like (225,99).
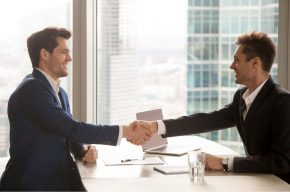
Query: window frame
(84,57)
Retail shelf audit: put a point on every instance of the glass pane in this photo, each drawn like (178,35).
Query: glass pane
(25,17)
(178,58)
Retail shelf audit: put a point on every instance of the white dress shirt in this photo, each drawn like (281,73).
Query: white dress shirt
(249,98)
(54,84)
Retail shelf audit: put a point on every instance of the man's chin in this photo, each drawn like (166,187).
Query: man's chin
(64,74)
(238,81)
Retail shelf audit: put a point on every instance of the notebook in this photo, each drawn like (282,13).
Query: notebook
(168,170)
(157,144)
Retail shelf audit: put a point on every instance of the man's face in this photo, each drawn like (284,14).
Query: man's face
(244,69)
(57,61)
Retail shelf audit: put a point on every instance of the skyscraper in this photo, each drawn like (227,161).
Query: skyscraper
(117,62)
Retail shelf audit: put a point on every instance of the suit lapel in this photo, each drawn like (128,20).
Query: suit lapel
(242,122)
(62,100)
(38,75)
(259,100)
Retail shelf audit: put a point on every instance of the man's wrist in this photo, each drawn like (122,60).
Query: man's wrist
(231,163)
(161,129)
(120,136)
(225,164)
(125,131)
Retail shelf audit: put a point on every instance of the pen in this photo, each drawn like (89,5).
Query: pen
(127,160)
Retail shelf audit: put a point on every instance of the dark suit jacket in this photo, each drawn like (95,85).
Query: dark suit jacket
(265,132)
(42,135)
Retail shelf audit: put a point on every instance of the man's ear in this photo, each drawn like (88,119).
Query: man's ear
(256,62)
(43,54)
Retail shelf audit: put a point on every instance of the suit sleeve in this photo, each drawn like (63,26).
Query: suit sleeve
(36,102)
(277,159)
(77,149)
(201,122)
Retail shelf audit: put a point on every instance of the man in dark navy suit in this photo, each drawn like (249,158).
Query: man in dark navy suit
(260,110)
(43,133)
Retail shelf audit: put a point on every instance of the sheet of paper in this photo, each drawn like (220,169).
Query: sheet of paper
(146,161)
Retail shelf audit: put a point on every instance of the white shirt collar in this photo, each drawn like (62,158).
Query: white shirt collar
(249,98)
(54,84)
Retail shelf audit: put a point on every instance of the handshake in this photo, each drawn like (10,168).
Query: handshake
(138,132)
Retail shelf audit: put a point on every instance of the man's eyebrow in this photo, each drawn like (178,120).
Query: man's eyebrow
(67,50)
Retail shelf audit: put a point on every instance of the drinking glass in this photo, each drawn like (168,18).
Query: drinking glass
(196,163)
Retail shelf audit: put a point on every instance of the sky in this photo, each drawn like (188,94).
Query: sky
(11,11)
(166,17)
(163,21)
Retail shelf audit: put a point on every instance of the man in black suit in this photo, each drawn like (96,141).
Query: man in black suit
(260,111)
(43,133)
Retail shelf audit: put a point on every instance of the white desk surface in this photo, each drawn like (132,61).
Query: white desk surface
(99,177)
(212,183)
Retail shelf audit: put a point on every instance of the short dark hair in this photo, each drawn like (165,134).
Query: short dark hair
(46,39)
(258,44)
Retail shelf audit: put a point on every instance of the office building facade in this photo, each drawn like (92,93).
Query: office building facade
(213,26)
(117,62)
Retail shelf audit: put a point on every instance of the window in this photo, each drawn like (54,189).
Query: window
(173,55)
(18,20)
(143,63)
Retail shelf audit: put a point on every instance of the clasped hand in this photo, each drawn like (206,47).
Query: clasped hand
(90,154)
(139,132)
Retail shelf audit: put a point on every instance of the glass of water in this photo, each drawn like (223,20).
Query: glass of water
(196,163)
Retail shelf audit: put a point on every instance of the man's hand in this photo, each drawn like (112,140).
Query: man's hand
(149,125)
(90,154)
(136,133)
(213,163)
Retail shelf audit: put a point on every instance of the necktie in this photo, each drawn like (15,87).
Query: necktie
(59,97)
(242,108)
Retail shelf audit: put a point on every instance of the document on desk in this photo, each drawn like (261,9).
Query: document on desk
(145,161)
(168,170)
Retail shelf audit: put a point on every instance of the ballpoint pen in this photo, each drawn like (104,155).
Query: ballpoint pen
(128,160)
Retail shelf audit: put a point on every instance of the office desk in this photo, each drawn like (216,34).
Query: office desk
(168,184)
(143,178)
(98,177)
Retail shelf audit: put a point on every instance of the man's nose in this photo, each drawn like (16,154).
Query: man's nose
(232,66)
(69,58)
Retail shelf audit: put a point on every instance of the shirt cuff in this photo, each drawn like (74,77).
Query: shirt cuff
(120,134)
(231,163)
(161,130)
